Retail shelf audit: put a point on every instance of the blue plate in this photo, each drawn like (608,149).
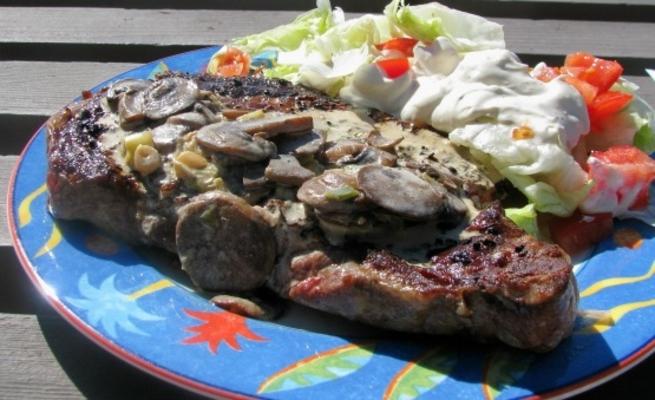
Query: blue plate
(145,313)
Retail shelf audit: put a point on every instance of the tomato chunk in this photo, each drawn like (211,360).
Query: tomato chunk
(608,103)
(579,232)
(587,90)
(403,45)
(393,67)
(622,176)
(596,71)
(230,62)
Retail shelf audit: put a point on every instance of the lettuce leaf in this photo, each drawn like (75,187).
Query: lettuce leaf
(525,218)
(290,36)
(426,22)
(645,139)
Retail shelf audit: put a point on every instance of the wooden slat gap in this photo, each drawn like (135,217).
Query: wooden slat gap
(490,8)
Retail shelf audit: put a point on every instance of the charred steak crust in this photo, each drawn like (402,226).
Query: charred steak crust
(498,283)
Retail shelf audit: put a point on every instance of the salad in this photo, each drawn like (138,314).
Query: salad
(568,137)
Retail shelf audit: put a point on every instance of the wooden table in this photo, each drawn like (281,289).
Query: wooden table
(49,54)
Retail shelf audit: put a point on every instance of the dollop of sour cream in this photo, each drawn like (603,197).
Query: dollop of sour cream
(487,101)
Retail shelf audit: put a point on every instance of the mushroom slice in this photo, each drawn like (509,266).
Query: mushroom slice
(224,243)
(165,136)
(301,146)
(343,148)
(130,109)
(401,192)
(286,170)
(228,139)
(335,191)
(269,127)
(254,177)
(193,120)
(126,86)
(370,155)
(168,96)
(376,139)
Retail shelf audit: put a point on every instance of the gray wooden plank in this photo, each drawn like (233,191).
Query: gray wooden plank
(7,164)
(207,27)
(40,88)
(603,10)
(43,357)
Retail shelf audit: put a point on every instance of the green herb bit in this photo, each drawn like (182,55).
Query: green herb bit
(342,193)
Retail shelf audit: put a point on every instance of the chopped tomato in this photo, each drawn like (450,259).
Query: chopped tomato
(403,45)
(587,90)
(231,62)
(607,104)
(579,232)
(393,67)
(622,176)
(579,59)
(596,71)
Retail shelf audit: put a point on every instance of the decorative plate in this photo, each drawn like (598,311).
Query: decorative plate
(144,312)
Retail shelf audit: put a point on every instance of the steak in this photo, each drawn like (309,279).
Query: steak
(256,182)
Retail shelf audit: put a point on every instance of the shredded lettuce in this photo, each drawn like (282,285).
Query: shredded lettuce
(290,36)
(544,197)
(323,50)
(645,139)
(426,22)
(525,217)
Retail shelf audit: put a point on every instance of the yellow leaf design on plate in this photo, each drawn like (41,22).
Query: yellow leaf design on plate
(421,375)
(618,281)
(322,367)
(24,213)
(52,242)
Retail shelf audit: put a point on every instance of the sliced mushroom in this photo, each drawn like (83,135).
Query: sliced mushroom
(342,148)
(254,177)
(286,170)
(126,86)
(130,109)
(168,96)
(207,109)
(165,136)
(401,192)
(370,155)
(271,126)
(376,139)
(193,120)
(335,191)
(301,146)
(228,139)
(224,243)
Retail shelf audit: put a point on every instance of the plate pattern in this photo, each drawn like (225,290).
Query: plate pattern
(123,301)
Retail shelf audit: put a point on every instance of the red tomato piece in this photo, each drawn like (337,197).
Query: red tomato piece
(587,90)
(579,59)
(403,45)
(596,71)
(622,176)
(393,67)
(231,62)
(607,104)
(579,232)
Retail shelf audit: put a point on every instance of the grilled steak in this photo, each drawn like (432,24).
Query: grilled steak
(257,182)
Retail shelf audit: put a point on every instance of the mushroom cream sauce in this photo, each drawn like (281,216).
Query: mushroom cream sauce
(489,103)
